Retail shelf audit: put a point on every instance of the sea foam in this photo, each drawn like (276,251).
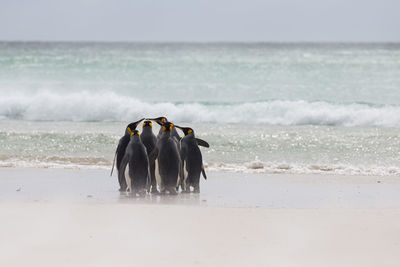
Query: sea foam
(253,167)
(110,106)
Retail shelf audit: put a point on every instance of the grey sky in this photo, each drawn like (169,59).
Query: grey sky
(201,20)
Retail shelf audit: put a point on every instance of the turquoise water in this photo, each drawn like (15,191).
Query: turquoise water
(292,108)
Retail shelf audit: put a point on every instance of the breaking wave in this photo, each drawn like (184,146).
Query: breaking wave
(109,106)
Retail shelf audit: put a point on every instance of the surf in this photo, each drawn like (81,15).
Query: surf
(109,106)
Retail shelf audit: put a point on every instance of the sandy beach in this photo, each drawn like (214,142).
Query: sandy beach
(292,108)
(53,217)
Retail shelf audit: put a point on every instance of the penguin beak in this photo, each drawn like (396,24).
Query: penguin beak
(186,131)
(137,122)
(180,128)
(158,120)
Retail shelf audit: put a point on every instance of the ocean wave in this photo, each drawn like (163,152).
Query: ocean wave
(253,167)
(109,106)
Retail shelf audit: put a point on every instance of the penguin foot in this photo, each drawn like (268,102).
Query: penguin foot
(154,190)
(172,191)
(141,193)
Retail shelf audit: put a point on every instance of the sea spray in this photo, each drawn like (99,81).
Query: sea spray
(110,106)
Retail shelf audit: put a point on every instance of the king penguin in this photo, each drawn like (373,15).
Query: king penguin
(168,159)
(150,141)
(120,152)
(135,165)
(192,161)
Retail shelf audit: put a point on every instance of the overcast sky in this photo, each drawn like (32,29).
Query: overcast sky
(201,20)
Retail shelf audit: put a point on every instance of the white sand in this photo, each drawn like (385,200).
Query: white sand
(77,218)
(152,235)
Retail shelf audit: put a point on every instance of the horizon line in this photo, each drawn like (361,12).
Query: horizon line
(197,42)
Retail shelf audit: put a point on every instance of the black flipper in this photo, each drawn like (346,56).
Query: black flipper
(203,172)
(112,169)
(121,174)
(201,142)
(153,155)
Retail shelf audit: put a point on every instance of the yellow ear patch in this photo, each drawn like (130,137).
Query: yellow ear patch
(150,124)
(171,126)
(129,129)
(163,119)
(132,133)
(189,131)
(163,128)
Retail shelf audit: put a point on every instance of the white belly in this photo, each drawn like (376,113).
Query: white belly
(157,174)
(185,173)
(128,178)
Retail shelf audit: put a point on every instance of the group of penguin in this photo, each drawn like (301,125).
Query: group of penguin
(167,161)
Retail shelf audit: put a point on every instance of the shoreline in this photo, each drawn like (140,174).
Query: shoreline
(249,167)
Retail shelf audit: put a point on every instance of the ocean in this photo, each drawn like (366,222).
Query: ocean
(264,108)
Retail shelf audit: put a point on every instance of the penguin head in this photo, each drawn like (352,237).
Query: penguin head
(159,120)
(167,126)
(147,124)
(185,130)
(132,126)
(135,132)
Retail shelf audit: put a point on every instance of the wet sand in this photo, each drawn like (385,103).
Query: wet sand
(220,190)
(55,217)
